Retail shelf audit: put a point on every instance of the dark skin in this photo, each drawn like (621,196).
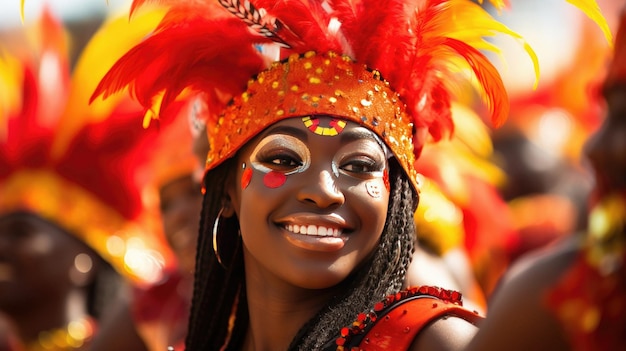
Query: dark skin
(180,203)
(290,276)
(117,331)
(41,287)
(606,150)
(518,318)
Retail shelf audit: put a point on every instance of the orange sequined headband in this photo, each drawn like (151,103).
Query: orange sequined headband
(311,84)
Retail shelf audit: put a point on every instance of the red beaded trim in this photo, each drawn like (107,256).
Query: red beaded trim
(366,319)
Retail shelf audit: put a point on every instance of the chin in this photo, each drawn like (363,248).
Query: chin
(316,280)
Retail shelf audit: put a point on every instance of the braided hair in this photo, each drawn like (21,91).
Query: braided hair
(220,293)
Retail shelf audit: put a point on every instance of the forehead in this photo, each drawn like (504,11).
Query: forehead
(323,126)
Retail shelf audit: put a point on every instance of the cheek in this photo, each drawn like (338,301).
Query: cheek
(374,189)
(386,181)
(271,179)
(262,187)
(274,179)
(40,245)
(370,196)
(246,177)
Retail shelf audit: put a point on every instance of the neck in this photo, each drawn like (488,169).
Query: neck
(277,310)
(52,315)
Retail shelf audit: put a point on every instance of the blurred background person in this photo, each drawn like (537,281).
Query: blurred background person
(70,202)
(539,148)
(572,296)
(155,316)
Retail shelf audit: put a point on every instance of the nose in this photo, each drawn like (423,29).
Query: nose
(322,191)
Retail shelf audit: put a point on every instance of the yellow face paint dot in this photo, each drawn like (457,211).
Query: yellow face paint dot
(335,127)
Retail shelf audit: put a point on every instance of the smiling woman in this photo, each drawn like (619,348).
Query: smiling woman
(317,111)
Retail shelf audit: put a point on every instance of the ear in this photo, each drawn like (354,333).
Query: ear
(230,196)
(228,210)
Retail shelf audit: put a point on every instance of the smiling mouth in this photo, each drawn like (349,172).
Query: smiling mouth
(314,230)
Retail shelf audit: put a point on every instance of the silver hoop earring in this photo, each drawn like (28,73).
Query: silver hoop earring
(215,229)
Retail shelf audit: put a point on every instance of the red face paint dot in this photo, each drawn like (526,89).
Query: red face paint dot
(246,177)
(274,179)
(386,180)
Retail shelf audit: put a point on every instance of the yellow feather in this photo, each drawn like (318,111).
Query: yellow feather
(111,41)
(592,10)
(153,112)
(11,77)
(498,4)
(464,14)
(22,10)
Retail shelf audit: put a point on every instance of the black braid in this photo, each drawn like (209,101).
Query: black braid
(216,289)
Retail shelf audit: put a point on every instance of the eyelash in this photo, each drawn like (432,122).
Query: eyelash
(276,160)
(365,165)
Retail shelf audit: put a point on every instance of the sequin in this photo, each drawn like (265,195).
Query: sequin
(356,94)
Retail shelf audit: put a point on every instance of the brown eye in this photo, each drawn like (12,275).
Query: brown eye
(360,166)
(285,161)
(282,153)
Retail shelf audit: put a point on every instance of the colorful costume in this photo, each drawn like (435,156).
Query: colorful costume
(590,298)
(393,323)
(389,66)
(48,155)
(75,165)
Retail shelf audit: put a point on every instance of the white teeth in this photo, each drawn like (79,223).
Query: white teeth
(312,230)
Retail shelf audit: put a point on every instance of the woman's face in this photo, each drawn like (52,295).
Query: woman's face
(311,195)
(36,261)
(607,148)
(181,203)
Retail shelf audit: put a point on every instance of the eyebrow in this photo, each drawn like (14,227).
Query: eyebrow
(345,137)
(293,131)
(358,134)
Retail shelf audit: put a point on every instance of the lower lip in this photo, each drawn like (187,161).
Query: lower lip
(315,243)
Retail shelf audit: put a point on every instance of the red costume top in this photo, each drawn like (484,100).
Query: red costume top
(394,323)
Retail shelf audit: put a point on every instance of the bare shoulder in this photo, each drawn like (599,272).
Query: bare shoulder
(445,334)
(517,318)
(540,266)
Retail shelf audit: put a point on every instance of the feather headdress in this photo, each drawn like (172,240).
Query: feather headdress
(398,63)
(75,164)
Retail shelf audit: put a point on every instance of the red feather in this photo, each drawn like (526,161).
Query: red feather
(211,49)
(214,56)
(495,93)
